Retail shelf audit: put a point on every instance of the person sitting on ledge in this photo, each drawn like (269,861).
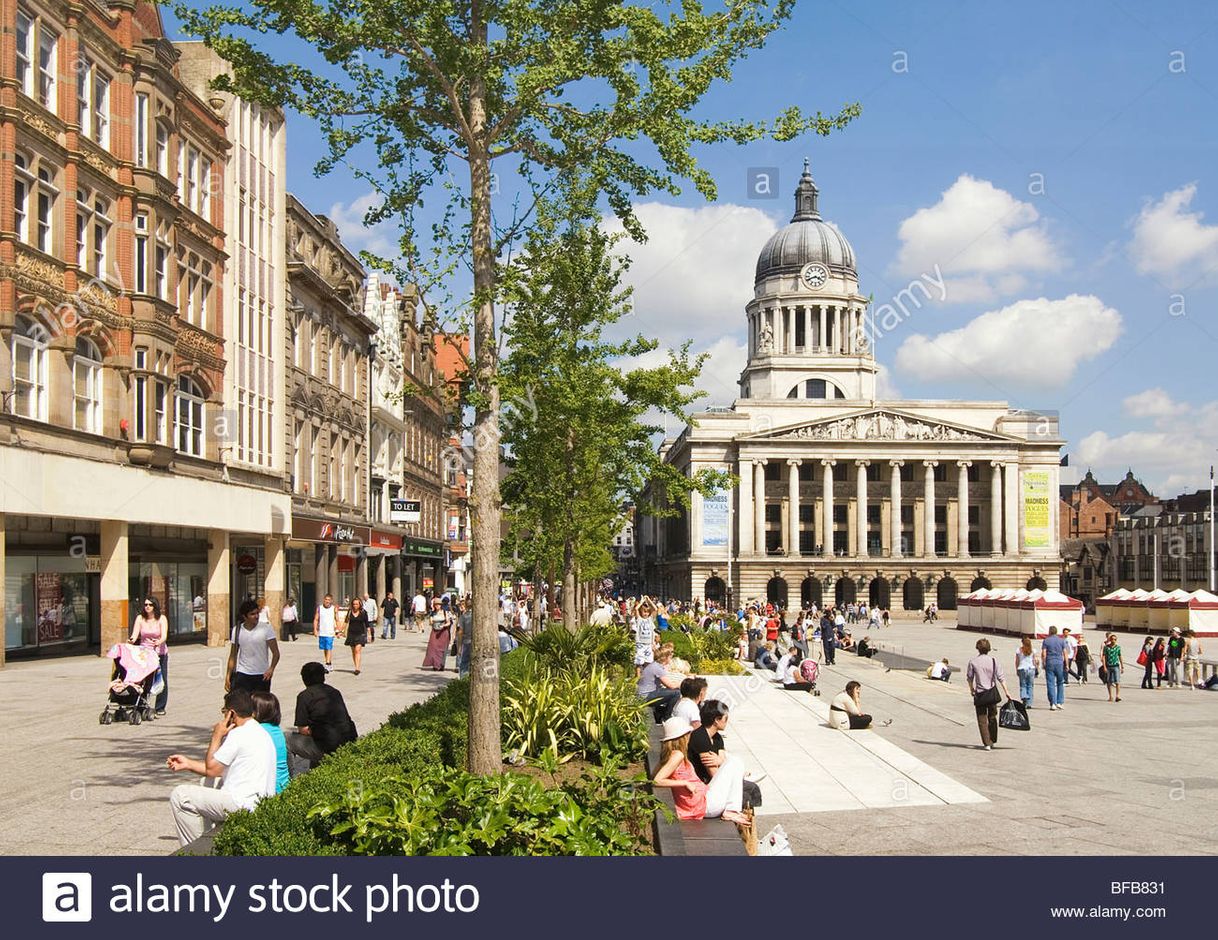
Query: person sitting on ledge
(722,797)
(941,670)
(765,657)
(846,711)
(242,753)
(790,673)
(323,724)
(864,648)
(659,687)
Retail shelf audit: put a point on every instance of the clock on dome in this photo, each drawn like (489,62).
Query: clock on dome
(814,275)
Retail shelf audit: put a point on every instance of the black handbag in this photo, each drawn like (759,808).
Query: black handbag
(1013,716)
(991,696)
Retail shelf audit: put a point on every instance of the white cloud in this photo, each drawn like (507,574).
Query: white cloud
(1152,403)
(885,388)
(380,239)
(1034,343)
(720,377)
(985,240)
(1171,452)
(1168,239)
(694,274)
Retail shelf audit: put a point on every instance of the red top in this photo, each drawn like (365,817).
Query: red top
(689,805)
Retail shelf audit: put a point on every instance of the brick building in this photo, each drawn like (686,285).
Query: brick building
(112,335)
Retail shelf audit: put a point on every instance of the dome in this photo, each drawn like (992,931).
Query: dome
(806,238)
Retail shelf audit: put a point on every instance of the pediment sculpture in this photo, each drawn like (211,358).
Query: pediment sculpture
(883,426)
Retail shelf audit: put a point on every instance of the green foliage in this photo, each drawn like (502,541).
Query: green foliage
(574,712)
(419,739)
(700,646)
(721,667)
(559,648)
(457,813)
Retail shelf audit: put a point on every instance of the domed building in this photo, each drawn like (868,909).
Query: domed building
(840,496)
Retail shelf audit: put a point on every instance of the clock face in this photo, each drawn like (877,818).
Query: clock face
(814,275)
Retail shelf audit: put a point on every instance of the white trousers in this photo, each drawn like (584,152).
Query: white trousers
(726,790)
(197,808)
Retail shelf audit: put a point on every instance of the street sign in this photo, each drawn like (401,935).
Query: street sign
(405,510)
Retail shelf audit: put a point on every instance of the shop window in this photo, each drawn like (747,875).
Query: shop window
(46,602)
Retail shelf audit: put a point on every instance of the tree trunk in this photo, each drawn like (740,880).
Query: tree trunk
(485,746)
(570,602)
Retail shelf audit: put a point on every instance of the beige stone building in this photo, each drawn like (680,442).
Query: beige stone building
(113,357)
(841,495)
(327,362)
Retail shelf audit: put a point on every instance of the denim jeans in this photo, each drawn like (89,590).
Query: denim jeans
(463,660)
(1055,679)
(162,699)
(1027,678)
(390,629)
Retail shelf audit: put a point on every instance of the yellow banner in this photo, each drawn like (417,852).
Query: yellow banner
(1036,509)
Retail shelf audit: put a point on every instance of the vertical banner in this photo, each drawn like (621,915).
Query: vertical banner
(714,520)
(1036,509)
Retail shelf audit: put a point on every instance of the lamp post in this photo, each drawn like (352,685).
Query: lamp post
(1213,581)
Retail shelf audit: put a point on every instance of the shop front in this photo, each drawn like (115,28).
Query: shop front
(424,565)
(385,564)
(326,557)
(51,590)
(170,566)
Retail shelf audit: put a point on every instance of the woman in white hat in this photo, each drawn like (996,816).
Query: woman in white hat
(722,797)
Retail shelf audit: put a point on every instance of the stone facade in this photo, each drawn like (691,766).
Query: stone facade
(113,350)
(841,495)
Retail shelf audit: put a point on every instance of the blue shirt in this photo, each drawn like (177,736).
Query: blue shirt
(281,755)
(1054,648)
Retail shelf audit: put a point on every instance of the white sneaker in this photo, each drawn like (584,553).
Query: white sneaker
(987,747)
(1060,707)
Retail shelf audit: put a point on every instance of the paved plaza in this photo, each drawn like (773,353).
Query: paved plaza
(1140,777)
(73,787)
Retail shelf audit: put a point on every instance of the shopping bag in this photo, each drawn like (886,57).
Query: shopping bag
(1014,716)
(775,842)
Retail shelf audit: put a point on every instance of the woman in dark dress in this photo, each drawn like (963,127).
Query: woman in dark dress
(357,631)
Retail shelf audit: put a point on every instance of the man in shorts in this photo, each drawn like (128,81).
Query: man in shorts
(324,629)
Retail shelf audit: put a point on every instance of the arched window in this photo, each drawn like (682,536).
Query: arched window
(879,593)
(816,388)
(715,590)
(29,370)
(810,592)
(844,591)
(1037,583)
(945,594)
(980,582)
(188,420)
(912,594)
(87,387)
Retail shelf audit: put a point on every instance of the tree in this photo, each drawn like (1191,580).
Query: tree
(404,88)
(584,445)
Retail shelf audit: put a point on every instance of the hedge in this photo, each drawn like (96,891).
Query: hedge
(430,734)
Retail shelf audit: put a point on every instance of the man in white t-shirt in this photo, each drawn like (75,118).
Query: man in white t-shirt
(693,693)
(323,629)
(418,607)
(602,616)
(242,752)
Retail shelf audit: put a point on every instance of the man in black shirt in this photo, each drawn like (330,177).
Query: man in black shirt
(389,615)
(322,722)
(706,748)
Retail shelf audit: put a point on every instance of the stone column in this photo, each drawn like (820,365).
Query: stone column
(276,575)
(759,506)
(928,507)
(219,566)
(788,319)
(321,574)
(744,506)
(396,578)
(382,577)
(695,520)
(851,339)
(1010,486)
(860,506)
(827,547)
(361,572)
(3,576)
(962,507)
(995,508)
(895,525)
(793,507)
(808,344)
(332,572)
(115,586)
(822,341)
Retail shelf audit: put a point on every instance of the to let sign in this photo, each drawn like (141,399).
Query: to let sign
(405,510)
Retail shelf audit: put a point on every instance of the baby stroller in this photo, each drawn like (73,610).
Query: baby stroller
(809,671)
(134,683)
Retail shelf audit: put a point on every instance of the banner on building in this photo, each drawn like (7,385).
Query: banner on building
(1036,510)
(714,519)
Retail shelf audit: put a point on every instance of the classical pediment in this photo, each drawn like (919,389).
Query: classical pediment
(880,425)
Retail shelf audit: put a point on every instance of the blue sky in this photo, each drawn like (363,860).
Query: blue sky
(1054,160)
